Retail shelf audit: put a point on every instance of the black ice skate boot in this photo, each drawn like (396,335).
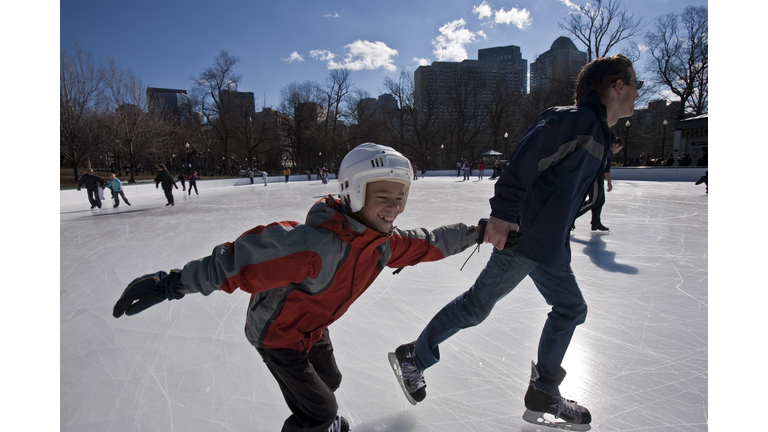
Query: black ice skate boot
(599,226)
(340,424)
(538,403)
(411,379)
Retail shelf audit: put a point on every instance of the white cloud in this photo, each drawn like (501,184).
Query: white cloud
(483,11)
(361,55)
(294,56)
(336,15)
(422,61)
(322,55)
(449,46)
(569,4)
(520,18)
(517,17)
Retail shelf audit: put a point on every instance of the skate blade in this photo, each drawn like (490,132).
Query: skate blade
(538,418)
(399,376)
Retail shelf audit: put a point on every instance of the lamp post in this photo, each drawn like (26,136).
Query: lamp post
(663,137)
(626,141)
(442,153)
(506,145)
(186,157)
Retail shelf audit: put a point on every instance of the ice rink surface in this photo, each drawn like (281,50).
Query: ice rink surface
(639,363)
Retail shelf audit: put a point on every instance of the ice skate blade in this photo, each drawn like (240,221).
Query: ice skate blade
(538,418)
(399,376)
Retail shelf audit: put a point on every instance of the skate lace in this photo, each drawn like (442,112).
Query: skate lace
(569,407)
(413,375)
(336,425)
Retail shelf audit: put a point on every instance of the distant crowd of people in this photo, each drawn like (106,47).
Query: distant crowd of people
(683,160)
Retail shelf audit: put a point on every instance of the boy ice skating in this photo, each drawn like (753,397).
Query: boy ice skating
(116,187)
(303,277)
(538,195)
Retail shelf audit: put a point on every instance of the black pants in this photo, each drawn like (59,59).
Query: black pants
(595,202)
(93,197)
(193,185)
(307,381)
(169,194)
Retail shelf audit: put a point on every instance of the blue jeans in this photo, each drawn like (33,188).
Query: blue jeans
(504,271)
(115,195)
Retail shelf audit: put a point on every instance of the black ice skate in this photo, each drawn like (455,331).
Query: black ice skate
(568,414)
(410,378)
(340,424)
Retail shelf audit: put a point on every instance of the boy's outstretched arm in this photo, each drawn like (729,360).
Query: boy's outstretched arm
(147,291)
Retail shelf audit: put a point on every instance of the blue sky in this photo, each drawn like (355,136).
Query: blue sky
(167,42)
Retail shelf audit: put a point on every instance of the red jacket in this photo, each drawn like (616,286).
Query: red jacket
(303,277)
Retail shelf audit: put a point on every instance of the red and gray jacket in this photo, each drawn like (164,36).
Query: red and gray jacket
(303,277)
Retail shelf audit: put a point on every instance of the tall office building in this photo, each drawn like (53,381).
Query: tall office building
(439,77)
(562,61)
(240,103)
(509,54)
(172,101)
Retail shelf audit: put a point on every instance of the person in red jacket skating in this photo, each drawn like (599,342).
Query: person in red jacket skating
(303,277)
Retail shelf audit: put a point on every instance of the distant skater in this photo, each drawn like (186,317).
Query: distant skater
(93,185)
(116,187)
(704,180)
(193,182)
(168,183)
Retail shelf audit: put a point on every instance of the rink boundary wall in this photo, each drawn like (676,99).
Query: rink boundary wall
(671,174)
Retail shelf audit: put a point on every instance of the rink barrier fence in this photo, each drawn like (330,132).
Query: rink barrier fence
(671,174)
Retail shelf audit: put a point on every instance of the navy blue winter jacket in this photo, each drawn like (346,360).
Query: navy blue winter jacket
(548,177)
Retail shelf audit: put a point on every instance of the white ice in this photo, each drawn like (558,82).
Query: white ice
(639,363)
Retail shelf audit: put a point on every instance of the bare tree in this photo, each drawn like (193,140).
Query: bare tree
(500,107)
(78,92)
(213,94)
(679,50)
(600,25)
(465,113)
(412,127)
(302,102)
(367,117)
(135,131)
(335,93)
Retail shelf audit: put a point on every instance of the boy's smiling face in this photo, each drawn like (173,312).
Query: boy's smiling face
(383,202)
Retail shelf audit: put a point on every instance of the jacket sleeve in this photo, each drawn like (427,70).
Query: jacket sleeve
(410,247)
(265,257)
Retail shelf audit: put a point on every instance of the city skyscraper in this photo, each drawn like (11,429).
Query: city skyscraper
(562,61)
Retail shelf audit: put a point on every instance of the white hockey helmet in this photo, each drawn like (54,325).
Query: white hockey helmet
(371,162)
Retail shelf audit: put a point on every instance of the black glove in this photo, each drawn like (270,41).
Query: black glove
(511,239)
(481,230)
(147,291)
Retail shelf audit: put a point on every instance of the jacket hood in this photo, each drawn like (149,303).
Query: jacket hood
(330,213)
